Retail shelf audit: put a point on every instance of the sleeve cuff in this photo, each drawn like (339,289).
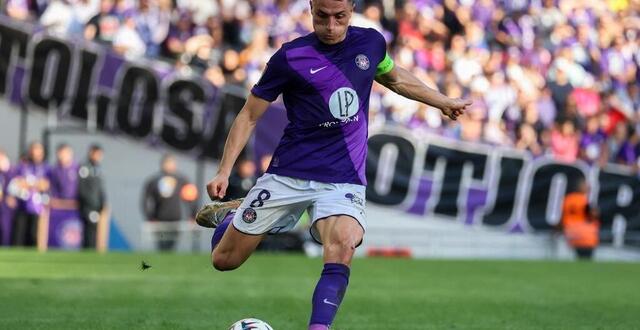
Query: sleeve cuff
(265,96)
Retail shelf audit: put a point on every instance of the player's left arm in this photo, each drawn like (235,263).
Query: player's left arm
(406,84)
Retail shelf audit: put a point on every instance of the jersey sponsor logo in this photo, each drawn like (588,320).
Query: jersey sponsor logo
(249,215)
(362,61)
(314,71)
(344,103)
(328,124)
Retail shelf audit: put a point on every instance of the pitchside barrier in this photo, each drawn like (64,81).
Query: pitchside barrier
(188,236)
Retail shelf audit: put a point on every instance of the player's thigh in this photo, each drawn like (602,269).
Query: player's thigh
(234,248)
(273,205)
(339,235)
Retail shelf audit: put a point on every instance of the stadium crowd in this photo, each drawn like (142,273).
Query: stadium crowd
(555,77)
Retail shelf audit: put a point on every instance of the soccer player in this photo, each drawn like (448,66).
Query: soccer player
(325,79)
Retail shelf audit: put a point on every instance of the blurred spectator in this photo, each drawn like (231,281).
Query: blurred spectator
(179,33)
(593,143)
(152,24)
(168,197)
(63,179)
(560,90)
(627,154)
(58,17)
(21,9)
(580,223)
(233,73)
(528,140)
(500,96)
(564,142)
(30,187)
(127,41)
(5,168)
(82,12)
(242,179)
(618,144)
(91,194)
(201,10)
(103,26)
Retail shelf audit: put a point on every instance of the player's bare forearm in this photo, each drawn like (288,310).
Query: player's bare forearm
(406,84)
(241,130)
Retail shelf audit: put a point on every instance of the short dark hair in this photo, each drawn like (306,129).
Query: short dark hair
(95,147)
(63,146)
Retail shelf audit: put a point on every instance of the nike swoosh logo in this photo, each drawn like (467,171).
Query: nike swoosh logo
(329,303)
(312,71)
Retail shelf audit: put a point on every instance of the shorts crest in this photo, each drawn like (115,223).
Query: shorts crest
(249,215)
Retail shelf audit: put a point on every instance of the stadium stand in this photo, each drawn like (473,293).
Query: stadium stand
(518,60)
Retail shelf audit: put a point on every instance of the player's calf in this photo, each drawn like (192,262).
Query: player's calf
(340,235)
(234,249)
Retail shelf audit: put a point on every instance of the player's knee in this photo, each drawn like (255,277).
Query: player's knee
(340,251)
(223,262)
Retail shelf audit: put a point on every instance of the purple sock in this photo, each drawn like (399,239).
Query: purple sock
(219,232)
(328,295)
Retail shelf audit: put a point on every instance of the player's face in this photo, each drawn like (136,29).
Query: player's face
(65,156)
(331,19)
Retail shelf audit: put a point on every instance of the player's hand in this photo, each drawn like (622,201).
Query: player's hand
(455,107)
(217,187)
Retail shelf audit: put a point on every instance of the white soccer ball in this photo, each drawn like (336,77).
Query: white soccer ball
(251,324)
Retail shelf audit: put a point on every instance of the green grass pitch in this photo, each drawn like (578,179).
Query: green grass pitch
(64,290)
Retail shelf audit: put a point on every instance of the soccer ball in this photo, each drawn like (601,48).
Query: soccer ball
(251,324)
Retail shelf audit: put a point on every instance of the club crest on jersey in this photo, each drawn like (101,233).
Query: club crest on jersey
(362,61)
(249,215)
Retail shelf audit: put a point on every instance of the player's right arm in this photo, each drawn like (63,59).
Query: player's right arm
(241,130)
(272,83)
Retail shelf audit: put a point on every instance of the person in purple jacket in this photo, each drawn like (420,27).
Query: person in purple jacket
(5,200)
(63,179)
(30,187)
(325,79)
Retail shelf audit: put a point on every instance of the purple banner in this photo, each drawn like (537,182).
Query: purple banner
(65,229)
(88,81)
(6,218)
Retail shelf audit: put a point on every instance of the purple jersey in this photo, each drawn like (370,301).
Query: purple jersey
(592,144)
(32,201)
(325,89)
(64,182)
